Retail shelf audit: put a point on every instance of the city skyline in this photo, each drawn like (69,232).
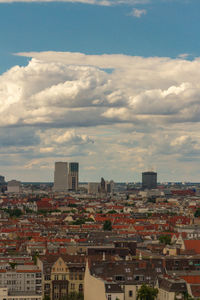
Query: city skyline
(113,85)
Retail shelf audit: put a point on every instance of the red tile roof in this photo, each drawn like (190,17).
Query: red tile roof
(192,245)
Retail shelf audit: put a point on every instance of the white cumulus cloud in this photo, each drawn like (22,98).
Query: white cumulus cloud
(138,13)
(64,106)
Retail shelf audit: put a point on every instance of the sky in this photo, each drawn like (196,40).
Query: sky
(111,84)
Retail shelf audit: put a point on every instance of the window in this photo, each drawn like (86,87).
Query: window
(119,278)
(38,281)
(158,270)
(148,278)
(80,289)
(72,286)
(80,276)
(47,286)
(109,297)
(130,293)
(137,277)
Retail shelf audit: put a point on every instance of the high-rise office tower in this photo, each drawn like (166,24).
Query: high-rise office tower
(61,177)
(149,180)
(73,176)
(2,179)
(14,186)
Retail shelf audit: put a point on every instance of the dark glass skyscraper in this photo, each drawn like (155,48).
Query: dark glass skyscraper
(73,178)
(149,180)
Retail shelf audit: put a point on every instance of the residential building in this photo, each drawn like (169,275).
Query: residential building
(6,295)
(62,275)
(22,280)
(170,288)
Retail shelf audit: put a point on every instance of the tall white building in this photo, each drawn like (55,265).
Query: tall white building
(93,187)
(61,177)
(14,186)
(66,176)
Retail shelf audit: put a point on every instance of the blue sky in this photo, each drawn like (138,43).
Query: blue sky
(168,28)
(53,82)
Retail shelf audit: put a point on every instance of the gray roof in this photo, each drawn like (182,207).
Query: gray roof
(113,288)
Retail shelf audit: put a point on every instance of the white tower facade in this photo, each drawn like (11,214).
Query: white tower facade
(60,177)
(14,186)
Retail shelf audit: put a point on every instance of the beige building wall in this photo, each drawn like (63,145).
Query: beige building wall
(170,251)
(60,271)
(133,289)
(94,288)
(115,296)
(60,177)
(93,187)
(165,295)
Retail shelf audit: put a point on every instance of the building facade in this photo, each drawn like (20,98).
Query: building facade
(14,186)
(61,177)
(149,180)
(22,282)
(62,275)
(66,176)
(73,178)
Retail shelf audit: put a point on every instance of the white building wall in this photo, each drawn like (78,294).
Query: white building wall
(61,177)
(93,187)
(14,186)
(165,295)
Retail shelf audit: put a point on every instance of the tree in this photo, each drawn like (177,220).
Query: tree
(16,212)
(112,211)
(107,226)
(197,213)
(147,293)
(12,264)
(78,222)
(73,296)
(165,239)
(72,205)
(187,296)
(34,257)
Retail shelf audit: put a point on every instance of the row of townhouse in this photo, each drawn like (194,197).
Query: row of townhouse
(122,280)
(62,275)
(20,282)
